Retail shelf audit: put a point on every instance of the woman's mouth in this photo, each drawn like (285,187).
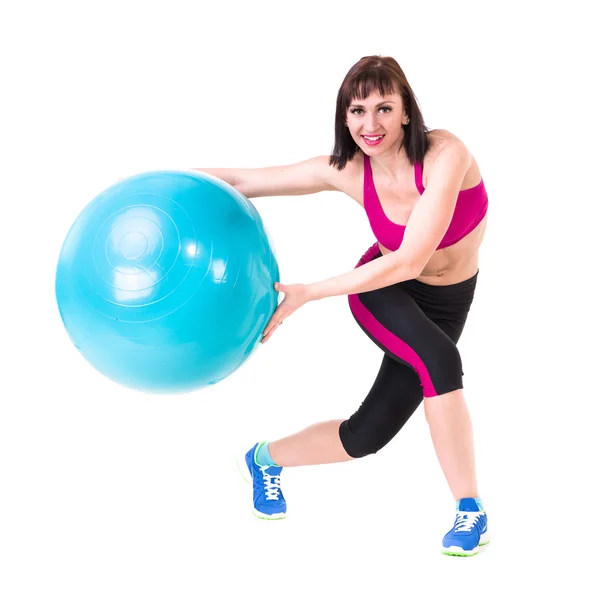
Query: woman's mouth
(372,140)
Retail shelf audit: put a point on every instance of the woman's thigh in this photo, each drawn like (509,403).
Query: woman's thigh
(395,323)
(418,325)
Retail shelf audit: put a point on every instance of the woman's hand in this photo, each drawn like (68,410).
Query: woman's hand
(296,295)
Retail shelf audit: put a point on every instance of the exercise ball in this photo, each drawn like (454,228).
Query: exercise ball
(165,281)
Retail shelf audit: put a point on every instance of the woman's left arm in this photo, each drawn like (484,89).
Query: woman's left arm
(425,229)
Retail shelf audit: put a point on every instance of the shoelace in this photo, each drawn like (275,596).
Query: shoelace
(466,520)
(272,484)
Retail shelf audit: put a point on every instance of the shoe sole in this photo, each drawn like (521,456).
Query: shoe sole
(247,477)
(458,551)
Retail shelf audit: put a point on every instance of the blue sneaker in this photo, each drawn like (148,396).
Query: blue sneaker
(269,502)
(470,530)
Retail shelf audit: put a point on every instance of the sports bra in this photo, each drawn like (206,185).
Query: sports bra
(471,207)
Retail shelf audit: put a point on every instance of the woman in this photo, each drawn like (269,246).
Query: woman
(411,291)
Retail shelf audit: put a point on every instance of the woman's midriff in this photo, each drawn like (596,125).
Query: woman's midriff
(455,263)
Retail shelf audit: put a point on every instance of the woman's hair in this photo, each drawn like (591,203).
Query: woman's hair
(384,74)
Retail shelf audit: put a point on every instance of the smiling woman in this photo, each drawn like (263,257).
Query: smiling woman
(360,115)
(410,292)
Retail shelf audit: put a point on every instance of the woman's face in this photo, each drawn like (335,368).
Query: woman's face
(376,122)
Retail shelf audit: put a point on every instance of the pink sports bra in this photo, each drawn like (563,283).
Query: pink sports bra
(471,206)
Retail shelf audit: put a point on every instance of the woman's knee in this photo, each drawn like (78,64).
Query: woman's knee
(443,371)
(373,427)
(393,398)
(356,443)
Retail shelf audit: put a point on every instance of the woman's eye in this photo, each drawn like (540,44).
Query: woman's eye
(356,111)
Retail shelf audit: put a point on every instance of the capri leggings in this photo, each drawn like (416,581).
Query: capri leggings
(417,326)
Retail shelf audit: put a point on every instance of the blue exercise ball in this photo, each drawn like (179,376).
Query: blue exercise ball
(165,282)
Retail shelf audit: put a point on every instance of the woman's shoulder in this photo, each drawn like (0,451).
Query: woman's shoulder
(442,138)
(442,134)
(439,139)
(352,170)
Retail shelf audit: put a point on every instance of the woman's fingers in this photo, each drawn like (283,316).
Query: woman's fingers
(271,327)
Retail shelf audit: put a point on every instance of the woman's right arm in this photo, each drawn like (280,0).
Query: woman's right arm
(306,177)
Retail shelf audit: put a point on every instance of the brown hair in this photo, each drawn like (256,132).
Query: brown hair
(384,74)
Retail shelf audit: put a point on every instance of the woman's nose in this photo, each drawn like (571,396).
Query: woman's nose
(371,123)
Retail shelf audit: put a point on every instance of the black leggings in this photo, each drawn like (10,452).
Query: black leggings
(417,326)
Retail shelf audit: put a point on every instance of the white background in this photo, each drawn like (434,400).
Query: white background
(110,493)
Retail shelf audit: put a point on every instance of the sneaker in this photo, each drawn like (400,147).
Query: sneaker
(269,502)
(470,530)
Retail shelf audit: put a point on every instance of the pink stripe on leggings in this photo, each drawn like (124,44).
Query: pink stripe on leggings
(388,340)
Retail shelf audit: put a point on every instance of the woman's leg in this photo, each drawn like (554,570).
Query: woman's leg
(392,400)
(395,322)
(422,324)
(452,436)
(420,355)
(451,431)
(318,444)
